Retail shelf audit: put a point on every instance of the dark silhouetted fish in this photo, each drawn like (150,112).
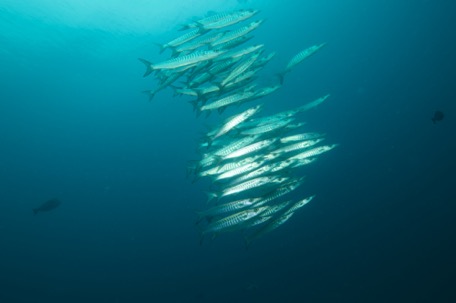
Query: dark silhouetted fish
(438,116)
(47,206)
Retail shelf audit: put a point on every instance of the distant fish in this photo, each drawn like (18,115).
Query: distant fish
(47,206)
(438,116)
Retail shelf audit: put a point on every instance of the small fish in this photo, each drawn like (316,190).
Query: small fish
(47,206)
(438,116)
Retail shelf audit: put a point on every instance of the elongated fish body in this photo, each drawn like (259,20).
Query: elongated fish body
(283,165)
(264,91)
(232,43)
(312,104)
(257,122)
(231,99)
(241,53)
(47,206)
(313,152)
(298,146)
(261,62)
(252,174)
(198,42)
(256,220)
(220,17)
(267,128)
(294,125)
(230,19)
(302,162)
(301,137)
(279,192)
(235,219)
(190,59)
(215,69)
(228,149)
(168,81)
(299,57)
(250,184)
(274,209)
(239,170)
(207,161)
(254,147)
(236,120)
(239,70)
(234,165)
(242,31)
(228,207)
(181,39)
(299,204)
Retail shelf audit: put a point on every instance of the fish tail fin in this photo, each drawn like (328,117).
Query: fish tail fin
(150,93)
(183,27)
(200,216)
(209,141)
(174,53)
(148,65)
(247,242)
(161,46)
(194,103)
(211,196)
(281,77)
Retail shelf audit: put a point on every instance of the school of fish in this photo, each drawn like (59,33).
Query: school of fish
(252,161)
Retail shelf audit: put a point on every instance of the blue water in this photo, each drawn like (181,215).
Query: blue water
(74,125)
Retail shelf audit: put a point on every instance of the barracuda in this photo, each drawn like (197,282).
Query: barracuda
(240,53)
(298,58)
(181,39)
(190,59)
(219,18)
(313,152)
(267,128)
(245,186)
(235,120)
(197,42)
(313,103)
(264,91)
(301,137)
(279,192)
(239,171)
(231,99)
(237,218)
(254,147)
(298,146)
(233,165)
(274,209)
(227,207)
(239,69)
(228,149)
(232,43)
(230,19)
(253,174)
(298,205)
(237,33)
(302,162)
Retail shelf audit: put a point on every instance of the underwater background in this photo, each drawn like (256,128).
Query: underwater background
(74,125)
